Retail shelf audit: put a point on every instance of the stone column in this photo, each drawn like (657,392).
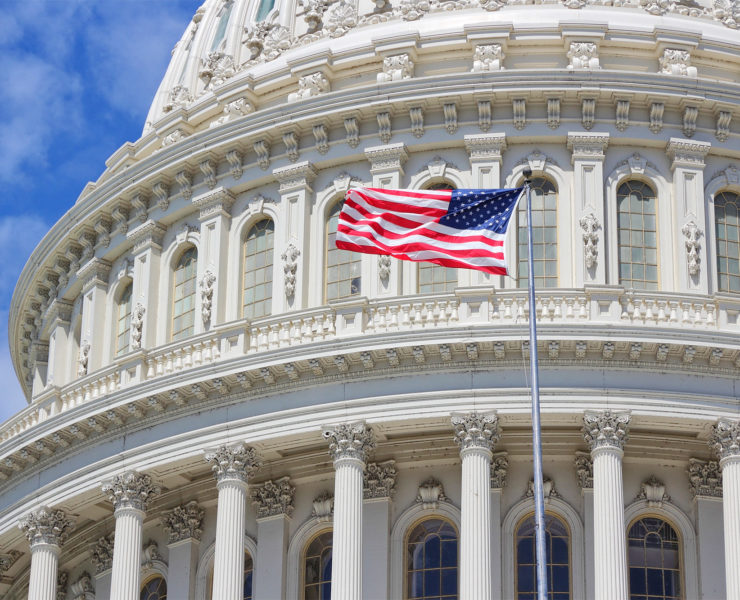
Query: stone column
(94,277)
(349,444)
(687,164)
(232,468)
(130,494)
(274,502)
(588,190)
(295,235)
(215,221)
(46,530)
(379,488)
(499,476)
(705,479)
(585,474)
(725,442)
(476,434)
(386,167)
(183,528)
(606,433)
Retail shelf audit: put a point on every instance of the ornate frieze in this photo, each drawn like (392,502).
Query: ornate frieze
(725,440)
(216,202)
(606,429)
(386,158)
(583,55)
(295,177)
(178,97)
(239,462)
(46,526)
(379,480)
(217,67)
(705,478)
(487,57)
(102,553)
(62,579)
(488,146)
(396,68)
(431,493)
(587,146)
(146,235)
(274,498)
(686,153)
(173,137)
(499,470)
(131,490)
(584,470)
(676,62)
(340,19)
(233,110)
(183,522)
(350,440)
(290,267)
(310,85)
(476,430)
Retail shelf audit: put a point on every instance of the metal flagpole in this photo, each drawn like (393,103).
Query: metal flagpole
(539,500)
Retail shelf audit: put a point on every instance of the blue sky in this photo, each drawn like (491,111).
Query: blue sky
(78,78)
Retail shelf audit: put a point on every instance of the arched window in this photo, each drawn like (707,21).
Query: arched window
(544,235)
(221,28)
(557,539)
(431,560)
(123,320)
(342,267)
(248,577)
(258,257)
(727,232)
(436,278)
(264,9)
(653,551)
(183,294)
(154,589)
(317,567)
(637,237)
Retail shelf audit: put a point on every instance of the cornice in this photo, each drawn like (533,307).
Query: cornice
(95,272)
(390,157)
(146,235)
(588,146)
(687,153)
(296,177)
(485,146)
(213,203)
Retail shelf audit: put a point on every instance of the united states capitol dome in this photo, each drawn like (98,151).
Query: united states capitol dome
(222,405)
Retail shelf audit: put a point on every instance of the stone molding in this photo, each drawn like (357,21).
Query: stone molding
(274,498)
(606,429)
(132,490)
(146,235)
(46,526)
(725,439)
(652,491)
(296,177)
(8,559)
(476,430)
(214,202)
(233,463)
(183,522)
(94,273)
(387,158)
(587,146)
(349,440)
(487,146)
(499,470)
(705,478)
(379,480)
(687,153)
(323,507)
(102,553)
(584,470)
(431,493)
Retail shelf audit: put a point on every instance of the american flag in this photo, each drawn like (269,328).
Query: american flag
(454,228)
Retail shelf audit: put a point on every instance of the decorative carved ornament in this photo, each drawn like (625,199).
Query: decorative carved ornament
(606,429)
(131,490)
(137,325)
(350,440)
(487,57)
(323,507)
(396,68)
(705,478)
(380,480)
(83,358)
(183,522)
(499,470)
(431,493)
(384,267)
(290,268)
(692,233)
(584,470)
(653,491)
(102,553)
(548,489)
(207,284)
(274,498)
(583,55)
(725,440)
(475,430)
(46,526)
(590,225)
(238,462)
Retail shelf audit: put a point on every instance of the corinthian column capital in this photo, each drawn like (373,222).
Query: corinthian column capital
(274,498)
(350,440)
(131,490)
(476,430)
(238,462)
(606,429)
(725,440)
(46,526)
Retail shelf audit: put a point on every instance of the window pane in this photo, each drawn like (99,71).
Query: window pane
(557,539)
(544,235)
(317,568)
(343,267)
(653,555)
(154,589)
(637,236)
(431,567)
(727,233)
(183,311)
(258,265)
(123,324)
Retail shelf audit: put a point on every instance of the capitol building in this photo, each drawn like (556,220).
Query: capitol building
(224,406)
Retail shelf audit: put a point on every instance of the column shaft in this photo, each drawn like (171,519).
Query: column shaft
(475,525)
(347,539)
(610,555)
(43,582)
(228,566)
(126,575)
(731,514)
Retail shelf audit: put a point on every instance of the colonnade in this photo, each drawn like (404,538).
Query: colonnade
(350,444)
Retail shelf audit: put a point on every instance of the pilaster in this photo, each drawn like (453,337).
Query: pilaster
(588,189)
(349,445)
(102,558)
(130,494)
(687,164)
(606,432)
(486,155)
(725,442)
(499,478)
(147,250)
(232,467)
(46,530)
(94,276)
(215,222)
(476,434)
(379,486)
(183,528)
(585,475)
(386,168)
(274,502)
(296,196)
(60,314)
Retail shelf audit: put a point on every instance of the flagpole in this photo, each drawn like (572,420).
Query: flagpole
(539,501)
